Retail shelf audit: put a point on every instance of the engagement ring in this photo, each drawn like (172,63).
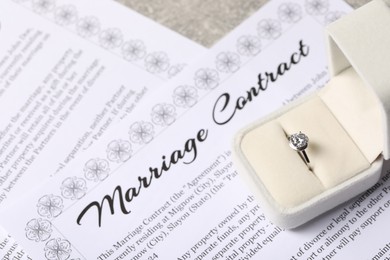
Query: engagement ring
(299,143)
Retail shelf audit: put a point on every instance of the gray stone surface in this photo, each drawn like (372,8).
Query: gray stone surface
(204,21)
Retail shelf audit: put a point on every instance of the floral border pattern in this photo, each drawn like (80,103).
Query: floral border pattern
(111,39)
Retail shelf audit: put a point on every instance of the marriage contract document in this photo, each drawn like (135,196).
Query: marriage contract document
(161,184)
(68,73)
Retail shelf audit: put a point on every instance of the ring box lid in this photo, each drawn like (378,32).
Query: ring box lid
(362,40)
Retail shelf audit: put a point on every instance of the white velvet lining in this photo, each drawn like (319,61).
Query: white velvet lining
(356,107)
(343,125)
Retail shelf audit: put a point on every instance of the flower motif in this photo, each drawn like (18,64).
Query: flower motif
(185,96)
(119,151)
(43,6)
(38,230)
(248,45)
(96,169)
(228,62)
(269,29)
(290,12)
(58,249)
(175,69)
(333,16)
(141,132)
(73,188)
(133,50)
(65,15)
(163,114)
(206,78)
(50,206)
(88,26)
(316,7)
(111,38)
(157,62)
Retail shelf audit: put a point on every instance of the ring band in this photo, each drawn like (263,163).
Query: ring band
(299,142)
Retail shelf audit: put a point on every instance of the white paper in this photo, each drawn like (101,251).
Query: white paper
(168,175)
(68,73)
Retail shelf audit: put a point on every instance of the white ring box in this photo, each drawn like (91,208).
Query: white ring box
(347,123)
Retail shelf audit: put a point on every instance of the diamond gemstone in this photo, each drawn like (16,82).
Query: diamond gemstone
(299,141)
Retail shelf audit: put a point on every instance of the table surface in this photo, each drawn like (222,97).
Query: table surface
(203,21)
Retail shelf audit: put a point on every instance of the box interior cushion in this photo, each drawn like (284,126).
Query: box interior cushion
(335,120)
